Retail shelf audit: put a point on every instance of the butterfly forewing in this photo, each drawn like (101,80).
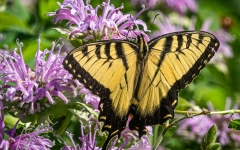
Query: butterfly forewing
(171,64)
(108,69)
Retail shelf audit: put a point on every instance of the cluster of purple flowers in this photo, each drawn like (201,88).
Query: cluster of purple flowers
(28,87)
(85,23)
(24,141)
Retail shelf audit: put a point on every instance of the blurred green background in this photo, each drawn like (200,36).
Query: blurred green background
(27,19)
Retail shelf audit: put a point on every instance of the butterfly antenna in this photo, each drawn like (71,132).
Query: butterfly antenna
(153,20)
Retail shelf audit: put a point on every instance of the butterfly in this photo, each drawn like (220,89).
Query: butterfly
(141,79)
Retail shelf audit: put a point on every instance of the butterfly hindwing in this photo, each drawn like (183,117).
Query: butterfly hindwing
(107,68)
(171,64)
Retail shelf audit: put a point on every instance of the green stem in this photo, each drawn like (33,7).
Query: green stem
(65,123)
(225,112)
(160,138)
(185,112)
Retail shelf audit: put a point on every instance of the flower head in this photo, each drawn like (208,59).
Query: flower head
(30,140)
(84,21)
(142,144)
(88,139)
(29,88)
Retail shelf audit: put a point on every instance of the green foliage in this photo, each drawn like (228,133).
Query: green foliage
(209,140)
(55,111)
(16,24)
(183,104)
(234,124)
(26,24)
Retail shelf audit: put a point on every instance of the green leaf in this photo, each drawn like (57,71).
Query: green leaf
(76,106)
(89,109)
(209,138)
(183,104)
(211,135)
(234,124)
(12,22)
(82,116)
(63,30)
(213,93)
(214,146)
(20,11)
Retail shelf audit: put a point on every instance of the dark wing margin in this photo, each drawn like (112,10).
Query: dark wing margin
(107,69)
(173,61)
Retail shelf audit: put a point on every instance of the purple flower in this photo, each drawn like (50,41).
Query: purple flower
(30,87)
(175,23)
(84,21)
(143,144)
(225,49)
(24,141)
(89,98)
(2,124)
(148,3)
(180,6)
(197,127)
(88,139)
(128,135)
(91,130)
(30,141)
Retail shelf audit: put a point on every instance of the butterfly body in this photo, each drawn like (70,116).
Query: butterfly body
(140,79)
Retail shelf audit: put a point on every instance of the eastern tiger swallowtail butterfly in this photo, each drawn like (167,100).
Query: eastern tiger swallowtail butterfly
(140,79)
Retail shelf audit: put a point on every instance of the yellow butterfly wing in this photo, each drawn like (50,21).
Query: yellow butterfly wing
(172,62)
(107,68)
